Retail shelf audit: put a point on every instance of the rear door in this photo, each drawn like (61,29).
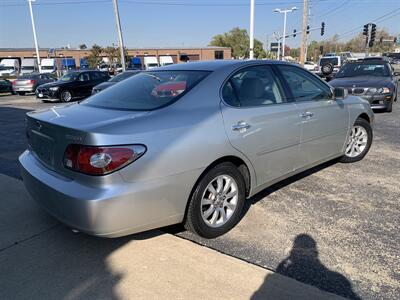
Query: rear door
(324,120)
(259,121)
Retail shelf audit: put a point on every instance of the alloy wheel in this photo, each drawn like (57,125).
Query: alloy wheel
(219,201)
(66,96)
(357,142)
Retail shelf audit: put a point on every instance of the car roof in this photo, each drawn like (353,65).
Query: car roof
(213,65)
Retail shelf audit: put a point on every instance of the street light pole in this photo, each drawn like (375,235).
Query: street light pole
(34,35)
(251,56)
(284,27)
(120,41)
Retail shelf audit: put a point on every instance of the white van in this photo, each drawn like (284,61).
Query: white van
(49,65)
(9,67)
(29,65)
(150,62)
(166,60)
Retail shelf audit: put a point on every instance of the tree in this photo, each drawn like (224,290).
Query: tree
(94,58)
(238,40)
(82,46)
(112,53)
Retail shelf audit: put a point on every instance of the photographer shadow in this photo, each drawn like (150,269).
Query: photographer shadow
(303,265)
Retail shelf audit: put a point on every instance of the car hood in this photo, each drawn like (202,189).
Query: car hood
(362,81)
(53,84)
(104,85)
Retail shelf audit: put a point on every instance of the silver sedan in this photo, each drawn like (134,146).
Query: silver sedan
(187,143)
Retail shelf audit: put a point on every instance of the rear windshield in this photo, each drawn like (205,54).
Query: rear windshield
(147,90)
(329,60)
(27,76)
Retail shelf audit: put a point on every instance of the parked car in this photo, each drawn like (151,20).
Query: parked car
(114,80)
(372,80)
(9,67)
(6,86)
(131,159)
(73,85)
(29,82)
(166,60)
(28,66)
(310,66)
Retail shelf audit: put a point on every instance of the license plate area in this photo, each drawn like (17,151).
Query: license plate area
(43,147)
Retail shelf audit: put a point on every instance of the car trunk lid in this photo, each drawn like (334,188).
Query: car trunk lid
(50,131)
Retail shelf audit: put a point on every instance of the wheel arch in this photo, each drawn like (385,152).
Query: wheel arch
(365,117)
(238,162)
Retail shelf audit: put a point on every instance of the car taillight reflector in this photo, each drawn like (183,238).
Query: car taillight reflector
(32,81)
(100,160)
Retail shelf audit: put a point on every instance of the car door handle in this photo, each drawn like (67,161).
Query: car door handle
(306,115)
(240,126)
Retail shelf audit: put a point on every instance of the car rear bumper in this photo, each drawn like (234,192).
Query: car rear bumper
(23,89)
(107,211)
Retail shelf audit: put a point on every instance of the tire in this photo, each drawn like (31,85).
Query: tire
(360,130)
(389,108)
(21,93)
(204,215)
(327,69)
(65,96)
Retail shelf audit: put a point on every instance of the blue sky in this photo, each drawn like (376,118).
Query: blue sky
(177,23)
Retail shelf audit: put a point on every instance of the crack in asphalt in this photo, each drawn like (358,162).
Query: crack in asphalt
(29,238)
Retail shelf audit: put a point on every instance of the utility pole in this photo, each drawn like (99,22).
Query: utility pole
(285,11)
(251,55)
(120,41)
(34,35)
(304,32)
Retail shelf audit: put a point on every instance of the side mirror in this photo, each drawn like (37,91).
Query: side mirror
(340,93)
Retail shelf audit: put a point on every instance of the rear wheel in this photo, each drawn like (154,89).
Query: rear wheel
(217,201)
(21,93)
(359,141)
(65,96)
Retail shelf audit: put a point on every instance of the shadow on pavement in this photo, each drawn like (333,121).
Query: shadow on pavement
(12,139)
(304,265)
(63,265)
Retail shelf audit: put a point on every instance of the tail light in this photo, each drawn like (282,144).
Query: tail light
(100,160)
(14,82)
(32,81)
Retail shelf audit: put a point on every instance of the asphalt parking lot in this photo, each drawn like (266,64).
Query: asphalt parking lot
(335,227)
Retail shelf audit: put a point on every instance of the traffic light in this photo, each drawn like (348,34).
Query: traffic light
(294,32)
(308,29)
(322,28)
(365,31)
(373,33)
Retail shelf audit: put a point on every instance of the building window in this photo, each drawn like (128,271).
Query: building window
(219,55)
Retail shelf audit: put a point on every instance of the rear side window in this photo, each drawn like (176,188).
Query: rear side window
(147,90)
(252,86)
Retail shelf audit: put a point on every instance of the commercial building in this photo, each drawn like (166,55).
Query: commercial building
(178,55)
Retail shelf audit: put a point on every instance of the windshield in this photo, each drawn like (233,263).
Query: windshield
(69,77)
(122,76)
(48,68)
(27,76)
(2,68)
(329,60)
(363,69)
(152,65)
(147,90)
(28,68)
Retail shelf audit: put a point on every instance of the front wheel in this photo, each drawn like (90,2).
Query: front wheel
(389,107)
(65,96)
(21,93)
(359,141)
(217,201)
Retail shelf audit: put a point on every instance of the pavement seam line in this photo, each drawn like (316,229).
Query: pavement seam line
(30,237)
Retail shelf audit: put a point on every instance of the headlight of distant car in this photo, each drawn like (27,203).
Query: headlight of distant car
(53,88)
(384,90)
